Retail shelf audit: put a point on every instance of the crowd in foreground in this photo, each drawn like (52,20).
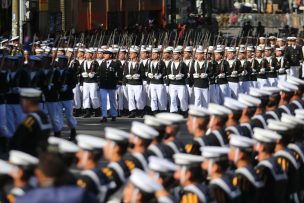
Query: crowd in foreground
(245,121)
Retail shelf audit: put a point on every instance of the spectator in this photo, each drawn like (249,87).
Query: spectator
(247,29)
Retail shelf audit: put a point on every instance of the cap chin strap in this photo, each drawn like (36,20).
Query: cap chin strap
(111,148)
(134,195)
(210,164)
(183,175)
(193,124)
(85,158)
(236,155)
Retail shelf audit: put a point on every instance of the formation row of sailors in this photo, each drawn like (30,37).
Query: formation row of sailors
(249,149)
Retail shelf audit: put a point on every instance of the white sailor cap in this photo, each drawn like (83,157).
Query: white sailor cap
(47,49)
(38,50)
(116,135)
(64,146)
(188,49)
(183,159)
(255,92)
(200,50)
(123,50)
(287,86)
(260,48)
(144,131)
(14,38)
(272,37)
(230,49)
(299,113)
(268,48)
(279,125)
(273,90)
(214,152)
(248,100)
(3,41)
(241,141)
(242,50)
(167,50)
(280,39)
(155,122)
(290,119)
(89,142)
(177,50)
(294,80)
(155,50)
(279,49)
(115,46)
(264,135)
(143,182)
(60,49)
(180,47)
(22,159)
(292,38)
(143,50)
(218,110)
(89,51)
(133,50)
(171,118)
(159,46)
(161,165)
(233,104)
(30,93)
(6,168)
(262,38)
(198,111)
(218,50)
(54,49)
(70,50)
(250,48)
(81,50)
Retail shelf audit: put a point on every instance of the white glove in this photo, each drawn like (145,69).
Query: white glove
(188,75)
(150,75)
(84,74)
(91,75)
(50,86)
(129,77)
(81,88)
(136,76)
(147,74)
(157,77)
(195,75)
(221,75)
(262,71)
(244,72)
(281,70)
(254,70)
(272,68)
(204,75)
(234,72)
(64,88)
(178,77)
(171,77)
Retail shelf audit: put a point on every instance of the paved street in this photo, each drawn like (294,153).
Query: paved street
(92,126)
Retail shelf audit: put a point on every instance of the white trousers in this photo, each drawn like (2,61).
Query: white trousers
(273,82)
(201,97)
(54,113)
(178,92)
(224,92)
(214,90)
(234,89)
(119,93)
(190,94)
(244,86)
(15,116)
(158,97)
(262,83)
(90,95)
(293,71)
(146,93)
(135,97)
(68,110)
(282,78)
(3,122)
(77,97)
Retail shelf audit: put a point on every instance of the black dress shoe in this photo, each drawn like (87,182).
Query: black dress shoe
(132,114)
(104,120)
(72,135)
(113,119)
